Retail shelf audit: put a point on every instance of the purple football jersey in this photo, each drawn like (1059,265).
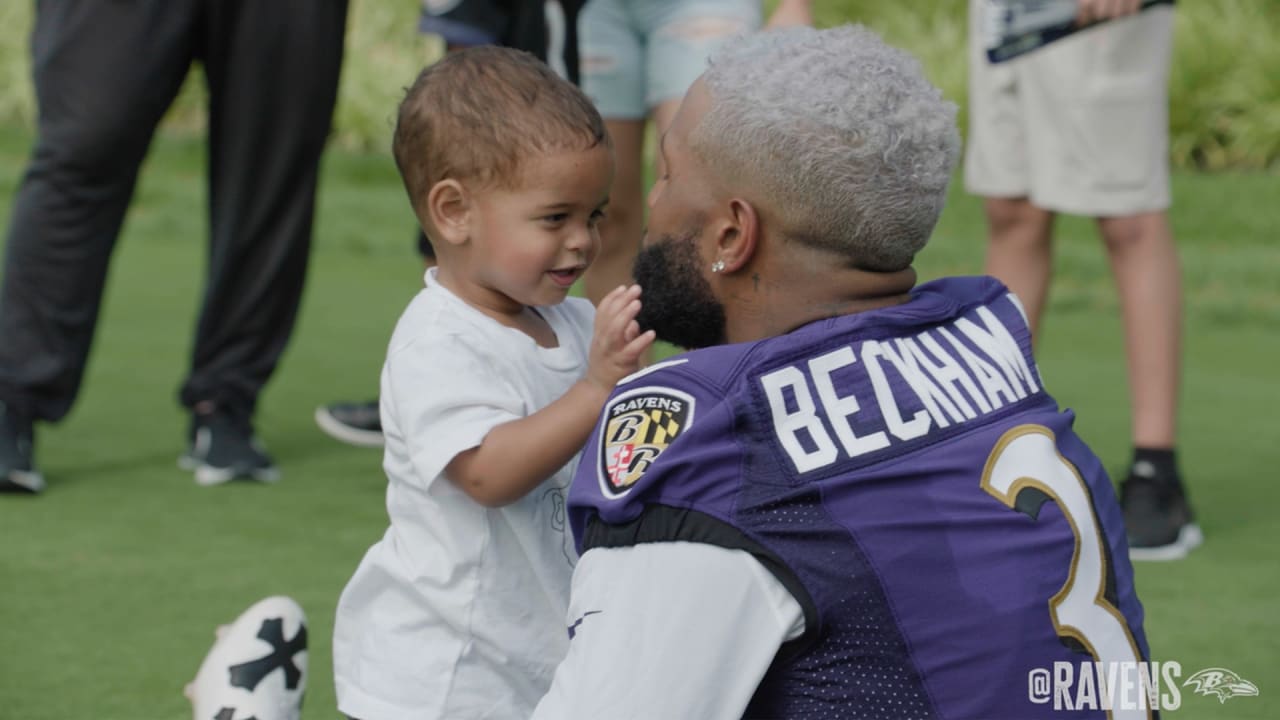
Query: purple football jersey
(904,473)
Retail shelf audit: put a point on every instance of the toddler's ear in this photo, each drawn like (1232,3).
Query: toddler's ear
(449,206)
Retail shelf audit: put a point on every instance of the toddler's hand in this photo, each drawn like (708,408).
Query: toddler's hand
(617,343)
(1092,11)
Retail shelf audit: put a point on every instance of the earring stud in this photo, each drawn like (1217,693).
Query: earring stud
(717,266)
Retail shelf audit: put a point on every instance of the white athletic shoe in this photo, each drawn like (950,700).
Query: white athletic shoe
(354,423)
(257,668)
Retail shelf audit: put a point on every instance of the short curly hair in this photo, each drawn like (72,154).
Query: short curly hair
(851,144)
(477,113)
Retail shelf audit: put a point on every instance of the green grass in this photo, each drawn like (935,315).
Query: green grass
(112,582)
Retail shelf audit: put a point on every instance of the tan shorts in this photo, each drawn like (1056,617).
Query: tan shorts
(1080,126)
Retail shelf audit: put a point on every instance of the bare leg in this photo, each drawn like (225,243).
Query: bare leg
(623,225)
(1144,261)
(663,115)
(1020,251)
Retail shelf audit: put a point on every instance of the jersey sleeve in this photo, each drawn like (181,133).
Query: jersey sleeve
(444,399)
(689,603)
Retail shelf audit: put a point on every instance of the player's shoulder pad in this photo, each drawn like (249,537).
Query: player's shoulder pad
(639,423)
(711,367)
(650,370)
(650,409)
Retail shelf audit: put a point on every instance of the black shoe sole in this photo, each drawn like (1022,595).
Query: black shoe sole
(1189,538)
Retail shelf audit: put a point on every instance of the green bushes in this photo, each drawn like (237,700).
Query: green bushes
(1225,85)
(1225,107)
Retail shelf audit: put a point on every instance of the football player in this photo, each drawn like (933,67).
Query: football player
(857,499)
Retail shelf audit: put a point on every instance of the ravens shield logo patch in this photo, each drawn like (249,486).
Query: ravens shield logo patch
(637,427)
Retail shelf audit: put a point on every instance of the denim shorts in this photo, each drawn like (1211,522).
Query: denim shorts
(637,54)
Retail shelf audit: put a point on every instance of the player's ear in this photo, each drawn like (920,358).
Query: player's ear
(737,235)
(449,205)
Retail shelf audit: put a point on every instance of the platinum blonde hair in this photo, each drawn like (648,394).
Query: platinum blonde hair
(841,135)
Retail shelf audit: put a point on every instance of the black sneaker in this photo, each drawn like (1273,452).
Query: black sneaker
(1157,516)
(223,448)
(17,442)
(352,423)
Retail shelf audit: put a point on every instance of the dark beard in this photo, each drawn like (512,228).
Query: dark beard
(677,302)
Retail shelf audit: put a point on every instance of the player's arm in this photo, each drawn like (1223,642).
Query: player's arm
(669,630)
(516,456)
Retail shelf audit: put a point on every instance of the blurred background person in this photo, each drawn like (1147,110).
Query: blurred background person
(638,59)
(105,73)
(1081,127)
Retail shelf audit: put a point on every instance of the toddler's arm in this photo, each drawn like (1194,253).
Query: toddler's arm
(515,457)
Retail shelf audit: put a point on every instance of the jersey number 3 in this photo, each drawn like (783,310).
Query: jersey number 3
(1026,459)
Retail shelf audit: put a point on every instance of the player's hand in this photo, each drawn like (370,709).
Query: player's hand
(791,12)
(617,344)
(1092,11)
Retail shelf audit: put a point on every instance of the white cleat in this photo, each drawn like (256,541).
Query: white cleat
(257,668)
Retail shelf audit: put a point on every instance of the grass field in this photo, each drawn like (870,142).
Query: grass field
(112,582)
